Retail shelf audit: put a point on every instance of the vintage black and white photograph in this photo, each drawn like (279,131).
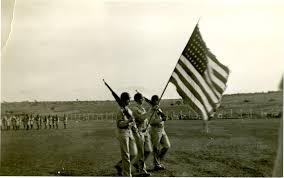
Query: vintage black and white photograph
(142,88)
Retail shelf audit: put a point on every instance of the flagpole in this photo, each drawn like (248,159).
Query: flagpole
(169,80)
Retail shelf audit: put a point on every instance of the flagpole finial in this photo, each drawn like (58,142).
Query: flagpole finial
(198,20)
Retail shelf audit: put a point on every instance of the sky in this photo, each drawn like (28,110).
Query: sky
(57,50)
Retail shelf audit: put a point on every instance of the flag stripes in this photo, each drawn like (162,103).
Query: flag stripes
(200,79)
(219,76)
(222,74)
(194,88)
(191,80)
(191,71)
(213,58)
(188,97)
(219,83)
(213,86)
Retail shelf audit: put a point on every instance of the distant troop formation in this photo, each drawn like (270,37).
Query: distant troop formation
(141,133)
(30,121)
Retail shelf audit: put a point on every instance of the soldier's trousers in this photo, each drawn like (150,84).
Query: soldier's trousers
(128,150)
(161,144)
(144,147)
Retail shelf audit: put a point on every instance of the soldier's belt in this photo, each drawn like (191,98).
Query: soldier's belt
(157,125)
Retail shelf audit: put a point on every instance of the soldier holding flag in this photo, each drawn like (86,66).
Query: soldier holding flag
(160,140)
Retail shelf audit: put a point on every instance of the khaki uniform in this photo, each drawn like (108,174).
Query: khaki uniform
(49,120)
(40,121)
(53,121)
(56,121)
(13,119)
(24,121)
(159,137)
(18,122)
(4,122)
(143,139)
(37,122)
(126,139)
(65,121)
(45,122)
(31,122)
(9,120)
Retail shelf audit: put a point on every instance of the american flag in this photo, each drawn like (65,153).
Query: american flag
(200,79)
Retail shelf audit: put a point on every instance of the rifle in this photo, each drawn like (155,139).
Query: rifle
(119,102)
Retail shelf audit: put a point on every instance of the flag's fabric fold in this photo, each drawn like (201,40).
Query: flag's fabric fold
(200,79)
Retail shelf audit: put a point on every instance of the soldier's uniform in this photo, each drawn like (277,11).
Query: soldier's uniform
(32,121)
(143,140)
(126,139)
(53,121)
(29,122)
(26,119)
(56,121)
(45,120)
(37,122)
(49,121)
(18,122)
(13,119)
(40,121)
(159,137)
(9,123)
(23,121)
(4,122)
(65,121)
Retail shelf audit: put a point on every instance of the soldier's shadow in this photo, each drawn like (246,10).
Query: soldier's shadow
(154,173)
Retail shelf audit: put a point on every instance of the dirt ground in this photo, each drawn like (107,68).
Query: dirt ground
(232,147)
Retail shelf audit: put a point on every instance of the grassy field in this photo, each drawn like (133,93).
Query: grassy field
(233,147)
(268,102)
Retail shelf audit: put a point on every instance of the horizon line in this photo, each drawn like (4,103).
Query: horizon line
(78,100)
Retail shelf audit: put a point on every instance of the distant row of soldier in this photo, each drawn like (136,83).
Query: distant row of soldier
(13,122)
